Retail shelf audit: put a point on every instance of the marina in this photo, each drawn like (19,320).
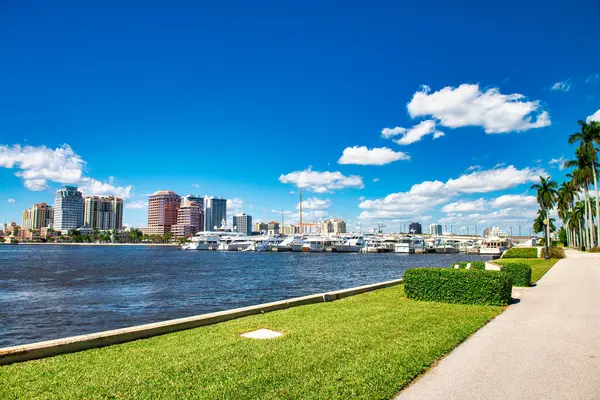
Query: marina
(53,291)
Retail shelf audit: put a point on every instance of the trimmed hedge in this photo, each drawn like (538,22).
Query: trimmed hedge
(475,265)
(519,272)
(521,252)
(458,286)
(592,250)
(555,252)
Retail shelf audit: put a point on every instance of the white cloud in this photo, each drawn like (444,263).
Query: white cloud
(196,185)
(12,201)
(375,180)
(234,206)
(38,164)
(136,204)
(424,196)
(514,200)
(376,156)
(314,203)
(508,215)
(560,162)
(468,105)
(414,134)
(563,86)
(594,117)
(465,206)
(474,168)
(495,179)
(322,182)
(93,187)
(292,192)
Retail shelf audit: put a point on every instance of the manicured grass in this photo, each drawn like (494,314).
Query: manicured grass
(363,347)
(538,266)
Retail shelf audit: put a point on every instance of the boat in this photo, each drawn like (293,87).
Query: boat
(314,245)
(446,246)
(374,244)
(203,241)
(410,245)
(266,243)
(351,245)
(494,245)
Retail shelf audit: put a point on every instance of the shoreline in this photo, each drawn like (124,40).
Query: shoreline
(93,244)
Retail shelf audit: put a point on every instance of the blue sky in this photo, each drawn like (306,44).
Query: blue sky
(249,100)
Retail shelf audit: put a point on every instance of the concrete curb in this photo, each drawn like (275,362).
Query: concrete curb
(9,355)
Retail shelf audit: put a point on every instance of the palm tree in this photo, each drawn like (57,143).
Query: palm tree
(590,134)
(566,199)
(546,198)
(581,178)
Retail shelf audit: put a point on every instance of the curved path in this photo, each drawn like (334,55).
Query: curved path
(547,346)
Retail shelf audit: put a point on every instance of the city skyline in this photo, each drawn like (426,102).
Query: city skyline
(378,121)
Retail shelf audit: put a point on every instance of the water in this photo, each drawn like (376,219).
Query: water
(49,292)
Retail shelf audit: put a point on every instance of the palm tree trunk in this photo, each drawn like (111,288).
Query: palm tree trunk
(589,219)
(597,205)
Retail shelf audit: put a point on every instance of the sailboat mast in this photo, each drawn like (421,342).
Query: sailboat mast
(282,225)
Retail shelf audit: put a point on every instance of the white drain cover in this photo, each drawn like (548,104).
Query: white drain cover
(262,334)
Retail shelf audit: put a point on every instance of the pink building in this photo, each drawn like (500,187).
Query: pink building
(190,219)
(163,206)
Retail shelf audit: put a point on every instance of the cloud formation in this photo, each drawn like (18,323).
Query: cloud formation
(37,165)
(414,134)
(376,156)
(314,203)
(563,86)
(560,162)
(468,105)
(594,117)
(424,196)
(136,204)
(12,201)
(322,182)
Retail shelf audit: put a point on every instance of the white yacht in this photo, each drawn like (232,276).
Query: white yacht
(203,241)
(290,243)
(351,245)
(236,243)
(494,245)
(314,245)
(446,246)
(410,245)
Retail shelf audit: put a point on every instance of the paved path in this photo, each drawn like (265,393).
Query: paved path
(545,347)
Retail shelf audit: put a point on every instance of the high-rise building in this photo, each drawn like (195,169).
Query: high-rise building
(27,219)
(215,212)
(190,219)
(415,228)
(289,229)
(103,213)
(68,209)
(435,229)
(333,226)
(242,223)
(162,212)
(260,227)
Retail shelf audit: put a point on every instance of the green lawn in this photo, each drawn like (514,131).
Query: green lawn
(539,266)
(363,347)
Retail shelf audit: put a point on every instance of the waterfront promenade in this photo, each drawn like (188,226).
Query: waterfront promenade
(545,347)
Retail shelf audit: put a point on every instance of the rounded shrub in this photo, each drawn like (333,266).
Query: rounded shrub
(458,286)
(521,252)
(555,252)
(520,273)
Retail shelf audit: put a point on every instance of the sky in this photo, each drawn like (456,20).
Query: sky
(382,112)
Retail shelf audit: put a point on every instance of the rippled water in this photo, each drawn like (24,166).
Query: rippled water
(48,292)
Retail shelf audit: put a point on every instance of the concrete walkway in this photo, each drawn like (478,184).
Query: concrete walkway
(545,347)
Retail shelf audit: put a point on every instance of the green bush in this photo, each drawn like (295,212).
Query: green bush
(458,286)
(521,252)
(479,265)
(555,252)
(520,273)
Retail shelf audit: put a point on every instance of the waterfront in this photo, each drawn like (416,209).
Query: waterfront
(48,292)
